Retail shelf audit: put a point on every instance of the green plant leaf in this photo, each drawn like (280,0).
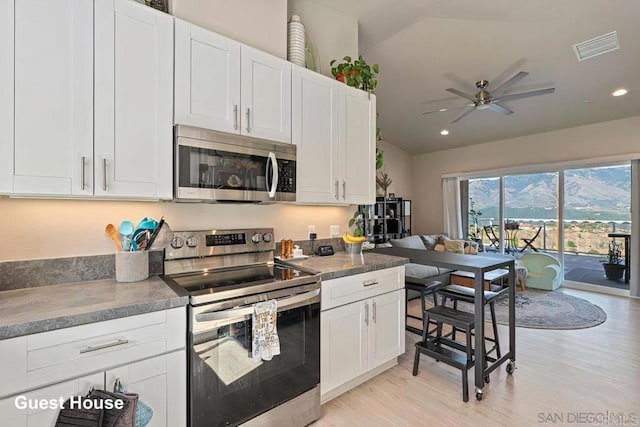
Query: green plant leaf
(333,61)
(357,232)
(347,58)
(376,68)
(351,222)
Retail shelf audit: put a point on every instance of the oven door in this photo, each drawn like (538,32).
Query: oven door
(226,386)
(246,171)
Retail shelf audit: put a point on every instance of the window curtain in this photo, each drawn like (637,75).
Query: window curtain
(634,282)
(452,207)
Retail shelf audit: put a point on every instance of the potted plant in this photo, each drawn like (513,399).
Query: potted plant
(474,233)
(613,267)
(356,73)
(358,221)
(379,152)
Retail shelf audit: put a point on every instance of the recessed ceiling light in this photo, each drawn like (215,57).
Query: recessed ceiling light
(586,101)
(443,110)
(444,132)
(619,92)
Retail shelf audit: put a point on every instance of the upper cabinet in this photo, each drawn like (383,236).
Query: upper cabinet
(53,96)
(64,63)
(133,101)
(334,129)
(223,85)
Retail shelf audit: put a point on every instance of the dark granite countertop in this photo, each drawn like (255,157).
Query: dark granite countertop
(39,309)
(343,264)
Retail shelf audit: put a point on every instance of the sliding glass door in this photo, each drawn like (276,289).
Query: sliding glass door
(484,212)
(597,213)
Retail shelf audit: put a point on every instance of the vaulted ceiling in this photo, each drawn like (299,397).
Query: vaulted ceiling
(426,46)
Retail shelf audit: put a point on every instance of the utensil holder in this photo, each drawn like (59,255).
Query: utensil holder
(132,266)
(353,248)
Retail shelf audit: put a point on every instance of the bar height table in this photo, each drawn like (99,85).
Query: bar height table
(479,265)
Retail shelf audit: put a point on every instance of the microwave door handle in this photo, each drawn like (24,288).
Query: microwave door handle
(246,311)
(274,181)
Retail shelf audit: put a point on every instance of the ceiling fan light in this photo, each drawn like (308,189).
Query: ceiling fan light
(482,106)
(619,92)
(444,132)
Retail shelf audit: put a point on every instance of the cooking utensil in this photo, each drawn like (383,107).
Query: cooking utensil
(126,231)
(155,234)
(111,231)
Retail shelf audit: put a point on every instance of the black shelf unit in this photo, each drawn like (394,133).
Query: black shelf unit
(387,219)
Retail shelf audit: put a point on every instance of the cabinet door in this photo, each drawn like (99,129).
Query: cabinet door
(148,379)
(10,414)
(343,344)
(76,387)
(315,129)
(53,99)
(266,96)
(207,79)
(386,330)
(357,143)
(134,100)
(6,96)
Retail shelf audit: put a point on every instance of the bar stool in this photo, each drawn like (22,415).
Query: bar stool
(462,293)
(426,288)
(441,348)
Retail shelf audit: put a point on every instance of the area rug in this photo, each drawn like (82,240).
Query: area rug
(538,309)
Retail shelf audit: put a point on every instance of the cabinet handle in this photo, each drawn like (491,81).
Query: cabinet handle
(344,190)
(370,282)
(374,312)
(104,174)
(366,313)
(248,120)
(91,348)
(337,190)
(235,117)
(83,160)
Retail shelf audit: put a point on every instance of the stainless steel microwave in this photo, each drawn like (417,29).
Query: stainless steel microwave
(213,166)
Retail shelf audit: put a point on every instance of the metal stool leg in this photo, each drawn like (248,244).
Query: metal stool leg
(492,308)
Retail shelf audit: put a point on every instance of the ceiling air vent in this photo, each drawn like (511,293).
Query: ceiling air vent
(597,46)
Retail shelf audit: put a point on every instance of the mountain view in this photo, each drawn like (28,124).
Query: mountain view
(600,194)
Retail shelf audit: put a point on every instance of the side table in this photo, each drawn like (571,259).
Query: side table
(521,275)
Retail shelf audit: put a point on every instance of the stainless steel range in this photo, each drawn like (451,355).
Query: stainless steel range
(226,272)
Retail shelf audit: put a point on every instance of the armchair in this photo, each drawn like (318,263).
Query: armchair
(543,271)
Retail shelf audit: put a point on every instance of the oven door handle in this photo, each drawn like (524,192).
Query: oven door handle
(283,304)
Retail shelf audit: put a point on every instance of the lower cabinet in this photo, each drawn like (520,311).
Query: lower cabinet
(360,338)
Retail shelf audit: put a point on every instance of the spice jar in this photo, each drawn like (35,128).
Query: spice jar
(283,249)
(289,248)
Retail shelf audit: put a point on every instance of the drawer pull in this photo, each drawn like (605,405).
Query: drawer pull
(91,348)
(370,282)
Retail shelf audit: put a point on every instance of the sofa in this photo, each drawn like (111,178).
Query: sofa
(543,270)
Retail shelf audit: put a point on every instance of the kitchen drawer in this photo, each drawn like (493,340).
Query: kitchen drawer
(344,290)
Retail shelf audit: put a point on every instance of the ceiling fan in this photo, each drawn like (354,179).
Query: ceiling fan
(492,100)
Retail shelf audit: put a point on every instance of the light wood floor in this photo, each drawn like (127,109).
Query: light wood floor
(559,374)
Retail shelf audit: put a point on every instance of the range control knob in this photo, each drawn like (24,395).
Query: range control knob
(267,237)
(192,241)
(256,238)
(177,242)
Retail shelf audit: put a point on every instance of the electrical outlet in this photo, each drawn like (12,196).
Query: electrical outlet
(312,229)
(334,230)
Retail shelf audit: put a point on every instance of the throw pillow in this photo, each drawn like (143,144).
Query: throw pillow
(456,246)
(439,248)
(420,271)
(429,240)
(470,247)
(409,242)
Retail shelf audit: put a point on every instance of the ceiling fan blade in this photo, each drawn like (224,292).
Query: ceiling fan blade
(462,94)
(526,94)
(499,109)
(464,113)
(502,88)
(442,110)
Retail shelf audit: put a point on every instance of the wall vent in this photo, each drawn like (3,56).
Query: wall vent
(597,46)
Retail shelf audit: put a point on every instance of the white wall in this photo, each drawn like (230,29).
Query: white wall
(258,23)
(611,138)
(33,229)
(333,33)
(398,165)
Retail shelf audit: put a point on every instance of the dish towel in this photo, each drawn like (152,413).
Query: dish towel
(266,343)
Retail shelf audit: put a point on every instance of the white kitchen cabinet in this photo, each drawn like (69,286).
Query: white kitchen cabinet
(362,328)
(11,415)
(149,379)
(223,85)
(76,387)
(333,126)
(357,146)
(133,101)
(6,96)
(53,97)
(265,95)
(315,131)
(207,80)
